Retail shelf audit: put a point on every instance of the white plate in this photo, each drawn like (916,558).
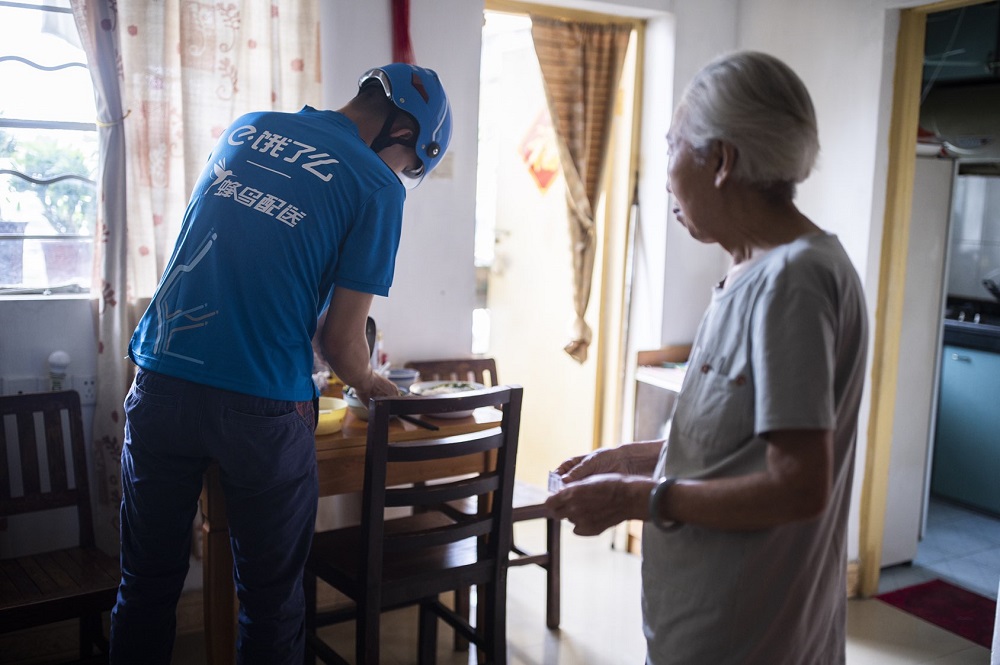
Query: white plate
(441,388)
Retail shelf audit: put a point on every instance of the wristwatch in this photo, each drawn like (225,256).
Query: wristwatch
(655,498)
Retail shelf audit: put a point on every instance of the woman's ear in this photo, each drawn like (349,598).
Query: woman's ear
(725,155)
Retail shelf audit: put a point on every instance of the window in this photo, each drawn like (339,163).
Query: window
(48,151)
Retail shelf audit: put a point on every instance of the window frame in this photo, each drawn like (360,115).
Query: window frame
(46,125)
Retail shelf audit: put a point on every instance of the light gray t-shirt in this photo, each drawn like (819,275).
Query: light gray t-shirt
(782,347)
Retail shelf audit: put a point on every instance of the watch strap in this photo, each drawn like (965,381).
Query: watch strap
(655,499)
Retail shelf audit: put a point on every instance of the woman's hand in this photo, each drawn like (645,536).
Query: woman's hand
(605,460)
(602,500)
(628,459)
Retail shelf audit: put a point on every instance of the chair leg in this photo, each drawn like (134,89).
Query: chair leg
(553,537)
(494,626)
(427,636)
(462,605)
(366,634)
(90,632)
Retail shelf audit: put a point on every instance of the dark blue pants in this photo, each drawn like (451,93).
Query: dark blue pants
(267,460)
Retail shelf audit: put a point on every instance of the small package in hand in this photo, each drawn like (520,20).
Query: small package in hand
(555,482)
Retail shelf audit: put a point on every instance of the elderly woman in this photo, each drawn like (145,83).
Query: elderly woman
(746,501)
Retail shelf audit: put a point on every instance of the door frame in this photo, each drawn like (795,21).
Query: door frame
(904,121)
(610,341)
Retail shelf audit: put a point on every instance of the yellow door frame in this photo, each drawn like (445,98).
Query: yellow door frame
(892,280)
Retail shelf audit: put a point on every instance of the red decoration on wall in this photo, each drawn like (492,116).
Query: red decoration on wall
(539,151)
(402,49)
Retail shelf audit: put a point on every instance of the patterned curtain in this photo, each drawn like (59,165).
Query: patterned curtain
(181,71)
(581,64)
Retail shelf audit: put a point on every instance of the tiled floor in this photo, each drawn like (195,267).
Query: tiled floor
(960,546)
(601,621)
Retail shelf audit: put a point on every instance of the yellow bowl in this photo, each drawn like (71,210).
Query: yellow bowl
(331,415)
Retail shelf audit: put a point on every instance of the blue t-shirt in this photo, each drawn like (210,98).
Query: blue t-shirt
(289,205)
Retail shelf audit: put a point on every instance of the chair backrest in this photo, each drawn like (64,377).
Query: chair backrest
(489,531)
(478,370)
(41,437)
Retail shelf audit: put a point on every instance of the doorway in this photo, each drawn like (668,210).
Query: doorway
(887,384)
(523,258)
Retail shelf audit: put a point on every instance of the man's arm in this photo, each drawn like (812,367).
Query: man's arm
(343,344)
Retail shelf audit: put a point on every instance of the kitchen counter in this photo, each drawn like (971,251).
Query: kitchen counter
(979,336)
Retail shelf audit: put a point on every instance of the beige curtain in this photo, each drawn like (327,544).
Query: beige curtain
(186,70)
(581,64)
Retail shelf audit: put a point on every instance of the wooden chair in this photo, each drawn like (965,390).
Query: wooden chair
(383,564)
(78,582)
(529,500)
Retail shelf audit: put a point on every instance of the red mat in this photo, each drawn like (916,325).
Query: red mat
(945,605)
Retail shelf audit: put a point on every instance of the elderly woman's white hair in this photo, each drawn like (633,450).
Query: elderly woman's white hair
(756,103)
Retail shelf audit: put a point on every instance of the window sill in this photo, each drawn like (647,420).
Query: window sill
(71,292)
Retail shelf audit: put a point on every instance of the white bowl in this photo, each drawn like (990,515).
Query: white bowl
(355,405)
(403,377)
(427,388)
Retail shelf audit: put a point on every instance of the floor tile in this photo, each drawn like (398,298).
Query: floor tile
(880,634)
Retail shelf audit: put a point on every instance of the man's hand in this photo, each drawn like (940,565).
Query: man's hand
(375,385)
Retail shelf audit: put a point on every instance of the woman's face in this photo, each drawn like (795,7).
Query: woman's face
(691,181)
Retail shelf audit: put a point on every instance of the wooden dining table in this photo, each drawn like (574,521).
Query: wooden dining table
(340,460)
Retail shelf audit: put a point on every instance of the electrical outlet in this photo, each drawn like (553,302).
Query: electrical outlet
(21,385)
(87,387)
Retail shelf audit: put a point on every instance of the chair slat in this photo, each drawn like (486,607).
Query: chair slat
(427,538)
(434,495)
(58,476)
(30,476)
(459,445)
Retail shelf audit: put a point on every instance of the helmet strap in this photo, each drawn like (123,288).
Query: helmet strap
(384,138)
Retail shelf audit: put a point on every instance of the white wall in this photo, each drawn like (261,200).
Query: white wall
(704,29)
(29,331)
(435,275)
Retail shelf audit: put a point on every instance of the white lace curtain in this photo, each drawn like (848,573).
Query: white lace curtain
(169,76)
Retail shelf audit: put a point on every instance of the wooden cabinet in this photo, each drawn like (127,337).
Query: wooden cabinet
(967,440)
